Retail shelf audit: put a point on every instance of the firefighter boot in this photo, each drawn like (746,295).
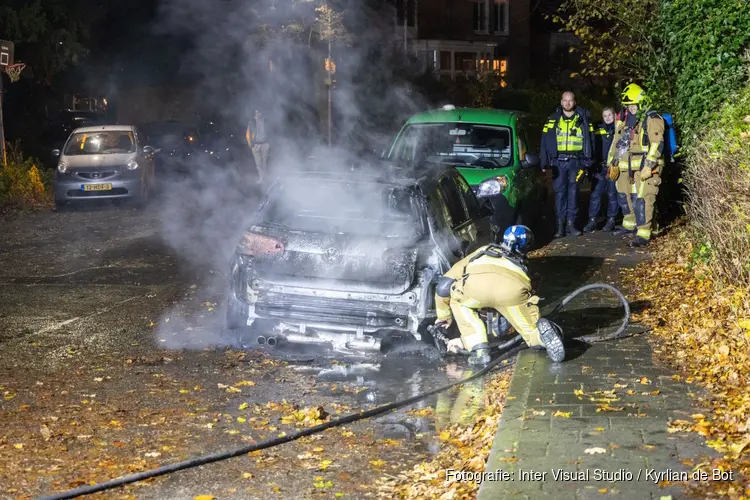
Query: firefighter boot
(623,232)
(560,229)
(591,226)
(609,226)
(551,336)
(638,242)
(572,231)
(480,355)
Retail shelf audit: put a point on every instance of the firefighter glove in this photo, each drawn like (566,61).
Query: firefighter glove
(455,344)
(613,172)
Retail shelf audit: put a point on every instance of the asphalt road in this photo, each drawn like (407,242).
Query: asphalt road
(114,360)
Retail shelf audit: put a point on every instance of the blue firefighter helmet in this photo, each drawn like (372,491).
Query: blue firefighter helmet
(518,239)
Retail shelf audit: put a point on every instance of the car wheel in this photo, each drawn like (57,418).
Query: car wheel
(143,198)
(237,313)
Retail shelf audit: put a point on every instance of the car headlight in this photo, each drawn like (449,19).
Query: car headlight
(132,165)
(62,167)
(493,186)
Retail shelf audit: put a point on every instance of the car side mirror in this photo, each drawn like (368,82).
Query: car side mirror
(531,160)
(147,150)
(55,152)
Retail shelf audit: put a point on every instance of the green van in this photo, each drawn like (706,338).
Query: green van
(489,147)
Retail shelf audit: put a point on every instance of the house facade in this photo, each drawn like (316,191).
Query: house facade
(458,38)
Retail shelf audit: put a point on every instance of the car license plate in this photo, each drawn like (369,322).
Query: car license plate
(96,187)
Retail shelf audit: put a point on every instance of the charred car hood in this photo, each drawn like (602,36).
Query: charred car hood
(338,262)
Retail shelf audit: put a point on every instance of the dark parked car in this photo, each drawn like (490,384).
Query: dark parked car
(351,260)
(178,144)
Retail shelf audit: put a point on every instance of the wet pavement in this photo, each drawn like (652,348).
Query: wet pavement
(115,360)
(598,424)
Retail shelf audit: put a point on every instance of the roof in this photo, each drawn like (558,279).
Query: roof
(106,128)
(499,117)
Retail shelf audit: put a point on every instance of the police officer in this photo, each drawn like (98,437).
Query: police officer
(495,276)
(601,183)
(636,162)
(567,146)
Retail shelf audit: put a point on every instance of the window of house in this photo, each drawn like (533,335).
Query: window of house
(480,15)
(501,66)
(445,59)
(465,61)
(499,16)
(428,59)
(483,62)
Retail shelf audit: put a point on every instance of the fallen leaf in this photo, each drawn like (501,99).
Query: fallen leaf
(564,414)
(46,434)
(248,383)
(600,429)
(578,392)
(644,380)
(594,451)
(204,497)
(602,490)
(377,463)
(539,413)
(243,406)
(247,475)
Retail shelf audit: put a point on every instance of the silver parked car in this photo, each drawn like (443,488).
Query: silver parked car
(104,162)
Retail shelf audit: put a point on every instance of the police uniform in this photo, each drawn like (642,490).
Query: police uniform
(567,145)
(601,184)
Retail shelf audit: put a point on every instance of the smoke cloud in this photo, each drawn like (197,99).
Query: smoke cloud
(269,55)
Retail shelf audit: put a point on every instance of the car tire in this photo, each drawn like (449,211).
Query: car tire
(237,313)
(143,198)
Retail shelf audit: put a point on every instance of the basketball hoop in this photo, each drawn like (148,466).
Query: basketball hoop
(14,71)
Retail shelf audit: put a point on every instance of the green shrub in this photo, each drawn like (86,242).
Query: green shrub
(22,183)
(717,178)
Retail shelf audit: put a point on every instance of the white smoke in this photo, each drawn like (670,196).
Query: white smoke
(268,55)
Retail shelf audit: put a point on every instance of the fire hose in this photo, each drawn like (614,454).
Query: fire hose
(511,347)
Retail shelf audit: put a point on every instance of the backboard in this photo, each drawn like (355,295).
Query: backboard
(6,53)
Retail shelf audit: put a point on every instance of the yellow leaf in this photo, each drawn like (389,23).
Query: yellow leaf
(594,451)
(578,392)
(248,383)
(243,406)
(247,475)
(602,490)
(377,463)
(282,434)
(600,429)
(347,434)
(318,449)
(565,414)
(324,464)
(184,391)
(241,420)
(18,446)
(644,380)
(204,497)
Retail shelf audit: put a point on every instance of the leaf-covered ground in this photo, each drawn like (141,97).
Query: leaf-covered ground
(702,329)
(464,447)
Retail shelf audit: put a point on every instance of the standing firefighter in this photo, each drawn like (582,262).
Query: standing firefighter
(602,184)
(567,146)
(635,163)
(494,276)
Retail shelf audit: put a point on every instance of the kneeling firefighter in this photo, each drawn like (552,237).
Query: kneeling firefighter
(494,276)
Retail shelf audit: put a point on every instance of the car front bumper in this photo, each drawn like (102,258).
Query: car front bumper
(73,188)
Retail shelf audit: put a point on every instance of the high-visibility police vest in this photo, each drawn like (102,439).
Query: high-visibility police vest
(569,135)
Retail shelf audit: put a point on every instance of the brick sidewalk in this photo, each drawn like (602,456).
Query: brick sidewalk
(605,408)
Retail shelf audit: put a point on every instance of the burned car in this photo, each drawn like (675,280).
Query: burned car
(351,260)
